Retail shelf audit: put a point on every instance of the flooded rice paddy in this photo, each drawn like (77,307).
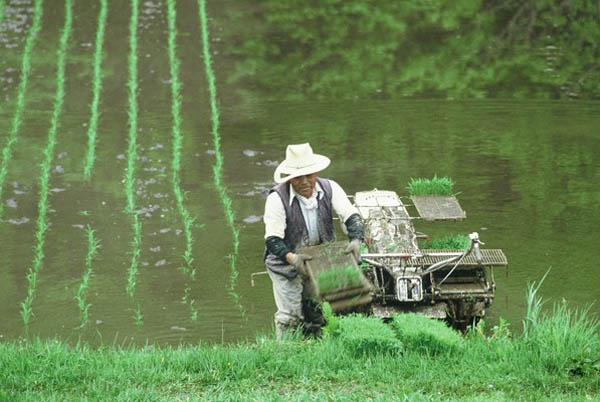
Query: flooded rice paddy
(133,176)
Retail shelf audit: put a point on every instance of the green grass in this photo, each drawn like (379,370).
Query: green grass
(450,242)
(81,296)
(41,223)
(433,186)
(338,277)
(97,88)
(219,160)
(563,338)
(361,358)
(18,116)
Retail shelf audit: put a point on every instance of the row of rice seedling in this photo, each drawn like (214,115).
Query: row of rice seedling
(132,151)
(81,296)
(97,87)
(42,224)
(136,245)
(186,218)
(218,165)
(17,117)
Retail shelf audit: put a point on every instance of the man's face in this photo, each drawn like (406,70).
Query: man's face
(304,185)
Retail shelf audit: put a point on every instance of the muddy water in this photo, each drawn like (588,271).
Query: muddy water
(527,173)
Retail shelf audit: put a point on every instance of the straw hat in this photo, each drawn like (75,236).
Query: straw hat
(299,160)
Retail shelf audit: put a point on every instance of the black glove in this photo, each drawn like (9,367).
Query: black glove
(354,248)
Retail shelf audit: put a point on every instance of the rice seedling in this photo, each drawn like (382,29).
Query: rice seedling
(81,296)
(433,186)
(218,165)
(338,277)
(421,333)
(187,219)
(363,336)
(192,303)
(450,242)
(97,87)
(42,224)
(193,310)
(135,256)
(138,317)
(20,106)
(132,86)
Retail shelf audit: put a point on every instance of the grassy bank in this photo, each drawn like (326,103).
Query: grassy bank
(555,358)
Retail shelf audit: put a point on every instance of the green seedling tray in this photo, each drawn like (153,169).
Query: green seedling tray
(327,257)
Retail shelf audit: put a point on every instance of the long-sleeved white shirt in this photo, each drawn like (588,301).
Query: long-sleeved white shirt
(274,217)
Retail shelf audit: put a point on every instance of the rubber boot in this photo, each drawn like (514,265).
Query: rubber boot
(313,319)
(285,330)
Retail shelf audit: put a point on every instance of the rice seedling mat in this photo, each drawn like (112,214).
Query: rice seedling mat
(436,207)
(329,262)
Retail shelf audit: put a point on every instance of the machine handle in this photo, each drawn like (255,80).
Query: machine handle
(475,244)
(477,252)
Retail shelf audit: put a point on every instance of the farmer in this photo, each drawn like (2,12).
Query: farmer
(299,212)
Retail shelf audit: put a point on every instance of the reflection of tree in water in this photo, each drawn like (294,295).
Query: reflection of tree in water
(468,48)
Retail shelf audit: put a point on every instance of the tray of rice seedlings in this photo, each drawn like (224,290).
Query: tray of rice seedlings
(335,276)
(426,335)
(449,242)
(434,200)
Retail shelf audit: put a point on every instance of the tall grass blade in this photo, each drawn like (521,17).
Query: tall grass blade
(17,117)
(42,225)
(565,339)
(534,305)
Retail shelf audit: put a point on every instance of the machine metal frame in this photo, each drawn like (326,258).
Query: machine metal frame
(456,285)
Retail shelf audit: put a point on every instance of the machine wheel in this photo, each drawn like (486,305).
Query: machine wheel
(464,314)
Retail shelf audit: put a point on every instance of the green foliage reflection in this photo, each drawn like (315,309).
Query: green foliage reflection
(1,11)
(460,49)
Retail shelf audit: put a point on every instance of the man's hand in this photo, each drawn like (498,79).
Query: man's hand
(354,248)
(297,260)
